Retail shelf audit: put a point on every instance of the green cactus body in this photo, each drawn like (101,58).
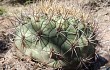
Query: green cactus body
(56,41)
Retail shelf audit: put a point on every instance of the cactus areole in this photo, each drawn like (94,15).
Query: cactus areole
(55,41)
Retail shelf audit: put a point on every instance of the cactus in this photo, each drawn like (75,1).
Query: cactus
(56,41)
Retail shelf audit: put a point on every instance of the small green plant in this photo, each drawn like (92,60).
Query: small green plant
(2,11)
(55,40)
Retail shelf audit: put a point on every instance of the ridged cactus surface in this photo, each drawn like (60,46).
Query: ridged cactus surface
(56,41)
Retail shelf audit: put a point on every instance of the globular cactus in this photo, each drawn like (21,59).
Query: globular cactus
(56,41)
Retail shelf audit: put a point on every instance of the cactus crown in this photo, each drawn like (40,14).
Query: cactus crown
(64,40)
